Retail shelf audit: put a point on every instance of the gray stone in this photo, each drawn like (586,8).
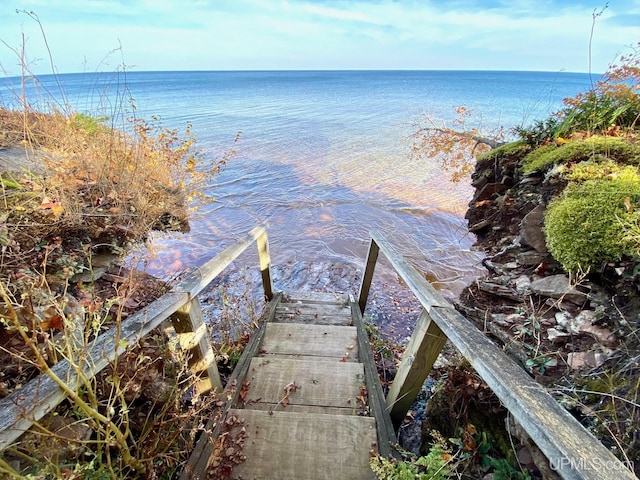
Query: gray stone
(531,257)
(557,286)
(522,284)
(563,319)
(531,229)
(488,191)
(554,335)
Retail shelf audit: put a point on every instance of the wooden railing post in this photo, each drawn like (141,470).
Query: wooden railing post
(188,323)
(573,451)
(422,351)
(367,276)
(265,263)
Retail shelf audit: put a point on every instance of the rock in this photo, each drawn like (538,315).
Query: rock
(488,191)
(563,319)
(507,320)
(479,226)
(100,264)
(556,336)
(18,158)
(522,283)
(531,229)
(558,286)
(590,359)
(583,324)
(531,257)
(499,290)
(602,335)
(531,180)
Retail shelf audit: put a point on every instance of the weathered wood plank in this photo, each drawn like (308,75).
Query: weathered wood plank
(315,297)
(318,309)
(419,285)
(265,263)
(188,322)
(422,351)
(321,341)
(377,404)
(268,407)
(198,462)
(30,403)
(331,384)
(367,277)
(571,449)
(313,319)
(202,277)
(279,446)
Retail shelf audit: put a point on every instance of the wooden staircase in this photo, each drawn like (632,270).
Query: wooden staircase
(302,409)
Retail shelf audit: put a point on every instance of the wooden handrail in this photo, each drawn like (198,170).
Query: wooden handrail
(25,406)
(572,451)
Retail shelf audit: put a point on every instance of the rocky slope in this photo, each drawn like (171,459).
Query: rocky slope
(578,336)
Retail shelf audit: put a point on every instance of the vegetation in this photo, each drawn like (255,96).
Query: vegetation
(85,196)
(591,148)
(83,190)
(517,148)
(436,465)
(453,145)
(581,165)
(583,225)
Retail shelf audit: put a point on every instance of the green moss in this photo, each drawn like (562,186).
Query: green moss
(583,225)
(597,168)
(517,148)
(595,147)
(540,158)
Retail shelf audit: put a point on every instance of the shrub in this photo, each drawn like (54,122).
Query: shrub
(540,132)
(611,107)
(583,225)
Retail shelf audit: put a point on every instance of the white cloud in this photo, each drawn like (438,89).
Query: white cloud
(280,34)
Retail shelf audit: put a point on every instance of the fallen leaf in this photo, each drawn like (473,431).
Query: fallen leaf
(244,390)
(291,388)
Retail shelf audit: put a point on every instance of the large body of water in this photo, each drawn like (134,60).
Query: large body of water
(323,156)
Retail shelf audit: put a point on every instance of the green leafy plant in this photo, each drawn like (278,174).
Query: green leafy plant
(436,465)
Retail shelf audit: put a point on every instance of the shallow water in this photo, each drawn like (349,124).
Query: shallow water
(322,159)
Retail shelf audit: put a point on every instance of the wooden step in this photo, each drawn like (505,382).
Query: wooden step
(315,297)
(276,383)
(317,313)
(328,341)
(297,446)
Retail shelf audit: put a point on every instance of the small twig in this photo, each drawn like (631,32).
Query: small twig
(563,390)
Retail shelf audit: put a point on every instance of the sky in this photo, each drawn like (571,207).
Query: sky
(104,35)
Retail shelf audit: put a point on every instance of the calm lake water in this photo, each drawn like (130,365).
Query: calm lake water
(323,158)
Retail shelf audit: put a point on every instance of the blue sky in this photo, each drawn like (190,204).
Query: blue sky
(549,35)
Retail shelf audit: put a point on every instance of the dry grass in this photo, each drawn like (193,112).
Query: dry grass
(92,186)
(73,188)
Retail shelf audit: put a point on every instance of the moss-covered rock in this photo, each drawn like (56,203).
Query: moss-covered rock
(596,147)
(508,150)
(583,225)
